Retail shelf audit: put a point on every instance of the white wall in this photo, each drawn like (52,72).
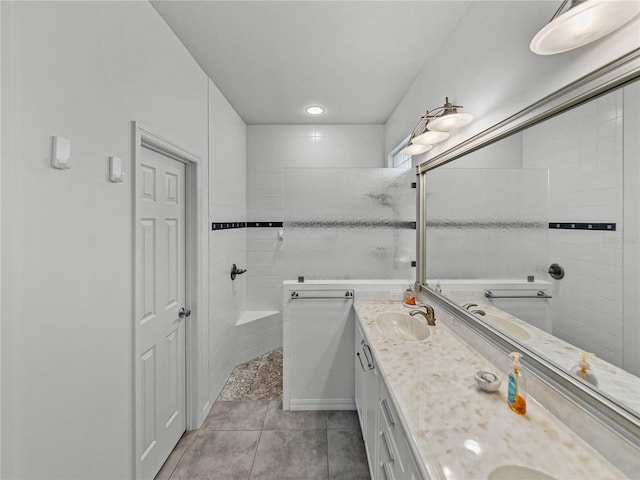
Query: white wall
(486,66)
(271,149)
(227,161)
(83,70)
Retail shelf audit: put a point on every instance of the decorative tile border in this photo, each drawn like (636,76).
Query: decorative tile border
(230,225)
(227,225)
(611,227)
(264,224)
(311,224)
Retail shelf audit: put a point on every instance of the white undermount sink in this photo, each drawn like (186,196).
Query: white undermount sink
(406,328)
(517,472)
(507,326)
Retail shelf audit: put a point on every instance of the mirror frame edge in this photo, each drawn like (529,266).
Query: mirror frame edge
(608,77)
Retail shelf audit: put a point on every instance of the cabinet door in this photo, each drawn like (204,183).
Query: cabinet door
(372,393)
(367,393)
(360,372)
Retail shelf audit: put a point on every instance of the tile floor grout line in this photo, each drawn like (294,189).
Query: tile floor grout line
(183,454)
(255,454)
(328,467)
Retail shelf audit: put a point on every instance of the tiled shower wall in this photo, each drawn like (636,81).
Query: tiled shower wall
(227,200)
(357,223)
(583,151)
(491,231)
(271,149)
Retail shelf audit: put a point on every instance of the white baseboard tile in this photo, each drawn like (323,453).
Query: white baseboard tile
(206,409)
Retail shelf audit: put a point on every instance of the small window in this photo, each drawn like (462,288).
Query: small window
(399,160)
(402,161)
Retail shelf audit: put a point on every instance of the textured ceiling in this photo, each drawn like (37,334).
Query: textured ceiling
(270,59)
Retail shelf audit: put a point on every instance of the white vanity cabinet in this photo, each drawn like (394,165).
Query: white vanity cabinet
(388,452)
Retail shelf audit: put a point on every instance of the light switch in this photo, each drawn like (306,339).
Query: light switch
(116,174)
(61,153)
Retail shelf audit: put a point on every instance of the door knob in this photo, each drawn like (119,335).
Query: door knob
(184,313)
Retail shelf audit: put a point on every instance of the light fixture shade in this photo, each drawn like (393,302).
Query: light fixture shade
(582,24)
(450,121)
(415,149)
(429,137)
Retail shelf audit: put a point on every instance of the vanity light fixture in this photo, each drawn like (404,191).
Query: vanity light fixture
(314,110)
(415,149)
(447,118)
(584,22)
(429,137)
(434,127)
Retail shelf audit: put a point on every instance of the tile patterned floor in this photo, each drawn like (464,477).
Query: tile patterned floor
(257,379)
(248,438)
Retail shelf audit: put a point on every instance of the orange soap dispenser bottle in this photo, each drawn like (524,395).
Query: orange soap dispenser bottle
(409,296)
(517,391)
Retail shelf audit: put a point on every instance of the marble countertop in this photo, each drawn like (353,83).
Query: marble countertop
(459,431)
(612,381)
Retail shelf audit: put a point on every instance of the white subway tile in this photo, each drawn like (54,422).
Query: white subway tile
(264,245)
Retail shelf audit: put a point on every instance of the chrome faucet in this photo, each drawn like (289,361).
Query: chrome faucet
(428,314)
(477,311)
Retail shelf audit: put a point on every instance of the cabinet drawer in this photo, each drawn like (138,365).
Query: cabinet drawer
(395,458)
(387,412)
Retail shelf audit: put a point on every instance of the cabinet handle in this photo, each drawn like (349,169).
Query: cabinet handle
(388,474)
(361,364)
(369,358)
(387,413)
(386,442)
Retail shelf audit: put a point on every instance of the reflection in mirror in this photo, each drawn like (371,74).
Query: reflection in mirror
(565,192)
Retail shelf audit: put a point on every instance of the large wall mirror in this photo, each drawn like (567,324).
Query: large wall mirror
(538,236)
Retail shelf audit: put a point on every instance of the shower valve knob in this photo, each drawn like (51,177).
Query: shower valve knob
(556,271)
(236,271)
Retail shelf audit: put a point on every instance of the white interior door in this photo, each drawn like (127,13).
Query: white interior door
(161,296)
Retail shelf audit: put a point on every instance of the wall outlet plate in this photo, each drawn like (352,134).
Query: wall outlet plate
(116,175)
(61,153)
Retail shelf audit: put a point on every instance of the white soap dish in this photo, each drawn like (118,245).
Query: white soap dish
(487,381)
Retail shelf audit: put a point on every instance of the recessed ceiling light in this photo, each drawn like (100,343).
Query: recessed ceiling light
(314,110)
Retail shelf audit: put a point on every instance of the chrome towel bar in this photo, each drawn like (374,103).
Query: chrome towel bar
(539,294)
(348,295)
